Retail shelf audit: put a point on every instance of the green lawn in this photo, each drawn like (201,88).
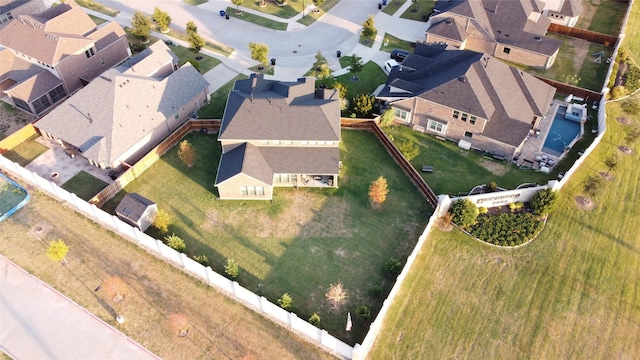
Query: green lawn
(93,5)
(311,17)
(370,78)
(391,42)
(393,6)
(26,152)
(603,16)
(10,196)
(257,19)
(419,10)
(304,240)
(84,185)
(97,20)
(218,100)
(571,293)
(195,2)
(291,9)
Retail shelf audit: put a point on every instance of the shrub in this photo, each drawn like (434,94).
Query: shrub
(515,206)
(162,221)
(409,150)
(376,291)
(463,212)
(363,312)
(315,319)
(285,301)
(259,52)
(57,251)
(342,90)
(231,269)
(386,118)
(618,92)
(363,104)
(506,229)
(201,259)
(368,27)
(543,201)
(378,191)
(393,267)
(483,210)
(187,153)
(492,186)
(174,242)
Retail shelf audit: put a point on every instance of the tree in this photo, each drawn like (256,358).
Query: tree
(336,295)
(196,42)
(355,65)
(141,26)
(543,201)
(187,153)
(409,150)
(57,251)
(237,3)
(259,52)
(342,90)
(315,319)
(285,301)
(192,27)
(387,117)
(368,27)
(363,312)
(611,163)
(378,191)
(162,19)
(231,269)
(321,72)
(632,135)
(592,187)
(393,267)
(174,242)
(464,212)
(162,221)
(362,104)
(115,288)
(179,324)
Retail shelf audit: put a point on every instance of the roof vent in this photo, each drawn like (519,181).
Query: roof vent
(448,22)
(462,79)
(537,38)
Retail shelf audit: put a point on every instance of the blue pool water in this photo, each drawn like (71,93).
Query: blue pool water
(561,133)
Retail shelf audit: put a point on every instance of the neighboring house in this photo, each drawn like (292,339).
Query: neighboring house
(136,210)
(10,9)
(470,96)
(127,110)
(278,134)
(49,56)
(512,30)
(563,12)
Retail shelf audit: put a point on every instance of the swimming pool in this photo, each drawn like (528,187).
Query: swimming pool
(561,134)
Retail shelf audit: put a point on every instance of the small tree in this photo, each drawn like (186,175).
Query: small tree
(202,260)
(611,163)
(141,26)
(632,135)
(378,191)
(342,90)
(631,107)
(393,267)
(368,27)
(409,150)
(336,295)
(115,288)
(492,186)
(162,19)
(179,324)
(196,42)
(237,3)
(592,187)
(363,312)
(175,242)
(543,201)
(57,251)
(355,65)
(285,301)
(192,27)
(162,221)
(387,117)
(315,320)
(259,52)
(362,104)
(322,72)
(187,153)
(463,212)
(232,269)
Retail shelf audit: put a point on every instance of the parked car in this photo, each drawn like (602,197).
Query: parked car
(399,55)
(389,65)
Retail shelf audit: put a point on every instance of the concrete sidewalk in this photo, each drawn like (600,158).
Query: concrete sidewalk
(37,322)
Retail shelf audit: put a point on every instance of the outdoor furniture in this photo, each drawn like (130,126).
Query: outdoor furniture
(427,168)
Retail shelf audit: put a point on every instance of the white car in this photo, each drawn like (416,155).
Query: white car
(390,65)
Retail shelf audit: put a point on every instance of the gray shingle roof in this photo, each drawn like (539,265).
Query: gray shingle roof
(448,28)
(136,205)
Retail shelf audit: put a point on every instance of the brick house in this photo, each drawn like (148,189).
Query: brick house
(510,30)
(465,95)
(278,134)
(126,111)
(10,9)
(47,57)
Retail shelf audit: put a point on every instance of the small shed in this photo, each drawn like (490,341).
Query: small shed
(136,210)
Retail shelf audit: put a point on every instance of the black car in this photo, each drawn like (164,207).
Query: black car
(399,55)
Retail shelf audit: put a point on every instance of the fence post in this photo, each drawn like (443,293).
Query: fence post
(291,317)
(262,300)
(183,259)
(159,246)
(233,288)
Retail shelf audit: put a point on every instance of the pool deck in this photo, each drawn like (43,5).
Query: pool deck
(532,147)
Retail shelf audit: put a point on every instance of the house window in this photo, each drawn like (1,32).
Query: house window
(244,191)
(468,134)
(436,126)
(506,50)
(472,120)
(57,94)
(260,190)
(41,104)
(464,117)
(89,53)
(456,114)
(6,17)
(21,104)
(401,114)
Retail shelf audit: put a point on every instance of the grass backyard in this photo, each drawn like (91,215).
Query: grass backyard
(604,16)
(303,241)
(84,185)
(26,152)
(218,100)
(219,327)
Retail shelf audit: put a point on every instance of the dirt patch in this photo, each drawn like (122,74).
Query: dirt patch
(623,120)
(584,203)
(495,167)
(625,149)
(606,175)
(11,120)
(444,225)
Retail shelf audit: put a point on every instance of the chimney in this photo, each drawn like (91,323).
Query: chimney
(90,118)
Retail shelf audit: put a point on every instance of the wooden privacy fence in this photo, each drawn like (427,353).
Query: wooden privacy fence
(596,37)
(566,89)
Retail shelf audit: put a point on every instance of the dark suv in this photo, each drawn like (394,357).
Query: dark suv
(399,55)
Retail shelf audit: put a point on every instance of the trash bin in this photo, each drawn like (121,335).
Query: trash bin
(384,2)
(379,6)
(338,53)
(222,12)
(273,61)
(226,16)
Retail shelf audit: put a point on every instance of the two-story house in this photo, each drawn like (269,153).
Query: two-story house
(276,133)
(49,56)
(10,9)
(512,30)
(470,96)
(126,111)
